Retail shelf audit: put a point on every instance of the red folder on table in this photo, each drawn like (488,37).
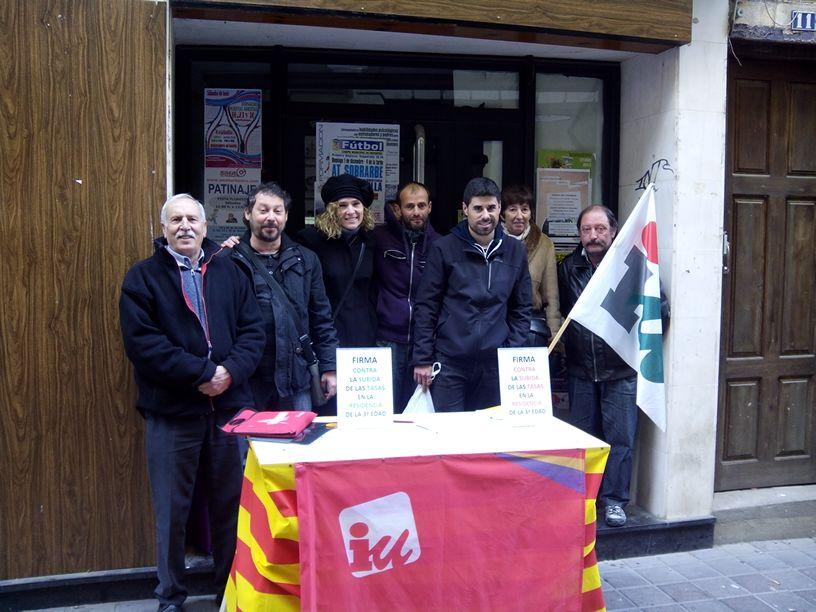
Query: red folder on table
(269,424)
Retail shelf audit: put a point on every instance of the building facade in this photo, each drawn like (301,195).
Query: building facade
(103,108)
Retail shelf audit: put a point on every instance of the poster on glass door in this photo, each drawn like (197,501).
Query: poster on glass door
(364,150)
(232,157)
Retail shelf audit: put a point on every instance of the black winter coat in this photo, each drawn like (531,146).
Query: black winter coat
(588,356)
(356,323)
(469,304)
(167,345)
(300,276)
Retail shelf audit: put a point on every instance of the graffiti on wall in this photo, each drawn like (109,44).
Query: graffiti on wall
(650,176)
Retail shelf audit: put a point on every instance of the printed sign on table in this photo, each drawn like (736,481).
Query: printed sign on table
(366,150)
(232,157)
(524,381)
(364,387)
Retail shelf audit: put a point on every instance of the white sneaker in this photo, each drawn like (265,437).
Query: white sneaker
(614,516)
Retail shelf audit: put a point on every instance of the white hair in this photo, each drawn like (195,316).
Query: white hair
(176,198)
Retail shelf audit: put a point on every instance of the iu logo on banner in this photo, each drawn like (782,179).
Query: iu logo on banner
(380,535)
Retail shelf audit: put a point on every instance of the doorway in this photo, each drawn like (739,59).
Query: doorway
(767,413)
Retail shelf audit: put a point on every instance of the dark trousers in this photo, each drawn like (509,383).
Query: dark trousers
(402,373)
(607,410)
(466,384)
(176,448)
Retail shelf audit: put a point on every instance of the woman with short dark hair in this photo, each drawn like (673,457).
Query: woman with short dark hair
(518,217)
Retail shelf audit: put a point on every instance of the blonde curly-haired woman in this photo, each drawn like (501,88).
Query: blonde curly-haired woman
(342,240)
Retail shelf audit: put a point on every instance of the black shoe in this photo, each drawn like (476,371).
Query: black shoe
(165,607)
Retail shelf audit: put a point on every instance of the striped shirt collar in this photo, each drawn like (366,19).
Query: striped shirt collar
(185,262)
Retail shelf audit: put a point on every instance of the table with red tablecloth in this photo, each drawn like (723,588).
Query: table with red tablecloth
(462,511)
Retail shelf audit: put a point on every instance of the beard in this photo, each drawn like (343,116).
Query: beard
(415,224)
(266,233)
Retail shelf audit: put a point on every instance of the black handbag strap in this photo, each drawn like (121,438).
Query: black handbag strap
(351,281)
(254,260)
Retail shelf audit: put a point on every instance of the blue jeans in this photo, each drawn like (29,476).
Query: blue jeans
(266,397)
(402,374)
(466,384)
(607,410)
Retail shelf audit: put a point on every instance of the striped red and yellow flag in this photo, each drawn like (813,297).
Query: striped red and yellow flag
(591,588)
(265,574)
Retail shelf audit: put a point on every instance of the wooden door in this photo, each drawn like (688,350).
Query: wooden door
(766,407)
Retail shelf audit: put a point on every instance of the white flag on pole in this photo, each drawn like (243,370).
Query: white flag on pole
(621,304)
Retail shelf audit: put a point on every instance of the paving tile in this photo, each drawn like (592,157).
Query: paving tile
(791,580)
(730,566)
(646,596)
(720,587)
(610,565)
(785,601)
(205,604)
(695,569)
(741,548)
(807,545)
(684,591)
(746,604)
(678,557)
(809,596)
(623,578)
(661,575)
(794,558)
(642,562)
(615,600)
(706,606)
(757,583)
(710,553)
(763,561)
(771,545)
(139,606)
(666,608)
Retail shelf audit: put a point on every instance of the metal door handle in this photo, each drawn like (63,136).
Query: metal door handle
(419,154)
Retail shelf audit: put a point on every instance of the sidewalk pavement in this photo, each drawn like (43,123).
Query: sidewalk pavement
(746,577)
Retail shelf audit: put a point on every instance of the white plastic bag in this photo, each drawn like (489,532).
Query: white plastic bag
(421,401)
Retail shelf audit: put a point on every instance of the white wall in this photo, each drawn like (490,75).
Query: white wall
(673,107)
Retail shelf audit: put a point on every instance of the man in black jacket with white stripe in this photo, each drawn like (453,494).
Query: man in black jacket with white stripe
(474,297)
(192,328)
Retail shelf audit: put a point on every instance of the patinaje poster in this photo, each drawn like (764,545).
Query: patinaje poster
(232,157)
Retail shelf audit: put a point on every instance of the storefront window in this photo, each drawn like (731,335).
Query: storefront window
(379,85)
(569,124)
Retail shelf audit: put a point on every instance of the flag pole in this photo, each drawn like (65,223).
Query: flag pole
(557,336)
